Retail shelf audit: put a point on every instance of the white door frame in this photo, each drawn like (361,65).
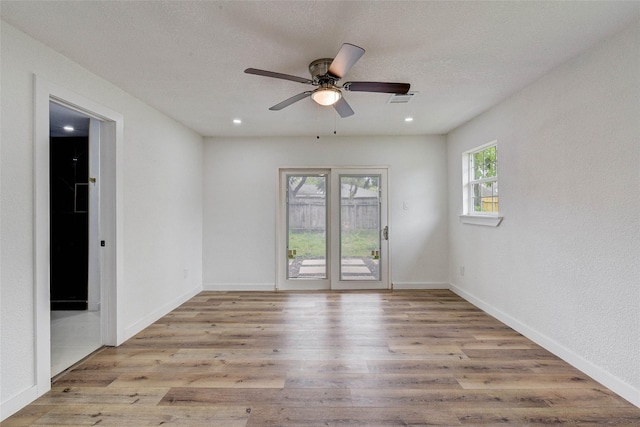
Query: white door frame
(111,134)
(95,181)
(333,224)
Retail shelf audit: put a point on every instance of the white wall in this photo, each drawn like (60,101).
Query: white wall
(563,267)
(240,203)
(162,174)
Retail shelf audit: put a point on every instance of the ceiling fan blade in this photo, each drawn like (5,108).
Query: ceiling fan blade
(344,60)
(343,108)
(291,100)
(381,87)
(277,75)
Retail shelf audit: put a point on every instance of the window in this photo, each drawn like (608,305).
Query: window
(480,192)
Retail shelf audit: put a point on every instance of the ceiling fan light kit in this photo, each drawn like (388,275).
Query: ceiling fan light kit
(326,96)
(326,73)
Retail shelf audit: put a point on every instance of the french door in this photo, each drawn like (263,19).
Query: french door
(332,229)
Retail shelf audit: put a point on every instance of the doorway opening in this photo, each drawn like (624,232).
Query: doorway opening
(74,203)
(332,232)
(108,125)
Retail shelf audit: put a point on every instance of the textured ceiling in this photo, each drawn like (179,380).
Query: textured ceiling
(187,58)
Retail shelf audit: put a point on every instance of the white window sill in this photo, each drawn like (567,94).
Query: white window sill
(486,220)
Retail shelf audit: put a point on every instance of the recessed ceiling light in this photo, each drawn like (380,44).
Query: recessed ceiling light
(408,119)
(237,121)
(68,128)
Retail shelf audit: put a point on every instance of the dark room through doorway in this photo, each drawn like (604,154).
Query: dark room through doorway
(74,205)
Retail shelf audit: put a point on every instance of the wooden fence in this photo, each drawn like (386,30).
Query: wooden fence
(309,214)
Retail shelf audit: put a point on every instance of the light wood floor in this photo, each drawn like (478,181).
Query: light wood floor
(326,359)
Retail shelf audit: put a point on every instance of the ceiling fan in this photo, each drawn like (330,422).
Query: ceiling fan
(325,73)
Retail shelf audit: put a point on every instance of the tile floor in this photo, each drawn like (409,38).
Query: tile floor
(74,335)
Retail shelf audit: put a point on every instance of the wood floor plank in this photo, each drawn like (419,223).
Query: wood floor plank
(444,399)
(504,354)
(127,415)
(374,381)
(86,379)
(590,416)
(28,416)
(524,381)
(166,378)
(274,416)
(592,398)
(144,396)
(363,358)
(450,366)
(293,398)
(330,367)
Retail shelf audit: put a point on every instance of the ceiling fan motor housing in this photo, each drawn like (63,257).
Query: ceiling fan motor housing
(319,70)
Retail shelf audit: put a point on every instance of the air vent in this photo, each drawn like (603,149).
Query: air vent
(401,98)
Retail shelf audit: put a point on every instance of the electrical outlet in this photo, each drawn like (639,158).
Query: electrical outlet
(462,270)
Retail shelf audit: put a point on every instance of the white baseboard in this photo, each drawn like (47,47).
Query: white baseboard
(262,287)
(267,287)
(156,314)
(419,285)
(17,402)
(605,378)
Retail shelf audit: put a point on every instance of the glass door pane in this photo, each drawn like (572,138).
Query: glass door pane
(306,226)
(360,235)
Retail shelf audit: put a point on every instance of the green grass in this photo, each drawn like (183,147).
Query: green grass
(307,244)
(359,243)
(356,243)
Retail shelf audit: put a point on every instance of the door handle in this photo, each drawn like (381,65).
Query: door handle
(385,232)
